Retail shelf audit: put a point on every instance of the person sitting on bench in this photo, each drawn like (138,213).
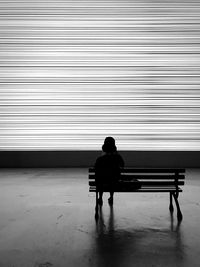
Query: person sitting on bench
(108,168)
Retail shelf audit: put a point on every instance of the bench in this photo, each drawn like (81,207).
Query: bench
(151,180)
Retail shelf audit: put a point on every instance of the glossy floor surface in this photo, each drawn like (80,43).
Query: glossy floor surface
(47,220)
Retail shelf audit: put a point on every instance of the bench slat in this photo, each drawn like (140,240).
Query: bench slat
(143,177)
(149,170)
(142,187)
(171,188)
(144,183)
(146,190)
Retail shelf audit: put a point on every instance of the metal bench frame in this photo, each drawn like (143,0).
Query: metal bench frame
(157,180)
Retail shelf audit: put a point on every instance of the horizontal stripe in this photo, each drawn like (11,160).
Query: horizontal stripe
(74,72)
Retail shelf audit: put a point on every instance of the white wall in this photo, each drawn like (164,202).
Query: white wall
(73,72)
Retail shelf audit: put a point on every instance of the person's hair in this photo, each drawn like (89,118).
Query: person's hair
(109,145)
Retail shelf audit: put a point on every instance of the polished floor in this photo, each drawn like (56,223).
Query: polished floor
(47,220)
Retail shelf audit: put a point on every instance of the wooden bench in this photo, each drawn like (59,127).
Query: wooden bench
(151,180)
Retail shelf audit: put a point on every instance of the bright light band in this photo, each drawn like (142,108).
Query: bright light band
(74,72)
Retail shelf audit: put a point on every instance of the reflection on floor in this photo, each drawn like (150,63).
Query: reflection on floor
(47,219)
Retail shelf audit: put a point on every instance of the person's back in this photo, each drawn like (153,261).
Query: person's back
(107,168)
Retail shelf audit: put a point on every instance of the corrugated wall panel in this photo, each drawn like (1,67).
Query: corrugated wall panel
(73,72)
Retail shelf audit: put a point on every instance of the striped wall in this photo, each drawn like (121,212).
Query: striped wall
(73,72)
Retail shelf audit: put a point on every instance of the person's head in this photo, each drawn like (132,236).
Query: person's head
(109,145)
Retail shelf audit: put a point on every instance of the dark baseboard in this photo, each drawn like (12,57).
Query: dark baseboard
(47,159)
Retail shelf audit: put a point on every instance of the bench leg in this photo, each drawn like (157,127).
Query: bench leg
(179,213)
(171,208)
(96,207)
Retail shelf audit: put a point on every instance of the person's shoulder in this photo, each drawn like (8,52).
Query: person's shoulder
(120,156)
(100,158)
(117,155)
(120,159)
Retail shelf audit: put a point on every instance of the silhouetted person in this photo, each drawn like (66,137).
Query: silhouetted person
(108,168)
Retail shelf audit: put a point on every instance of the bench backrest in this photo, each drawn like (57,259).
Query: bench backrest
(148,176)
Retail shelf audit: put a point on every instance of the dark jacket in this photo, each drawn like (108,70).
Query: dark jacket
(108,168)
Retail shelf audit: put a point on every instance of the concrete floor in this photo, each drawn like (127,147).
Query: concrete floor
(47,219)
